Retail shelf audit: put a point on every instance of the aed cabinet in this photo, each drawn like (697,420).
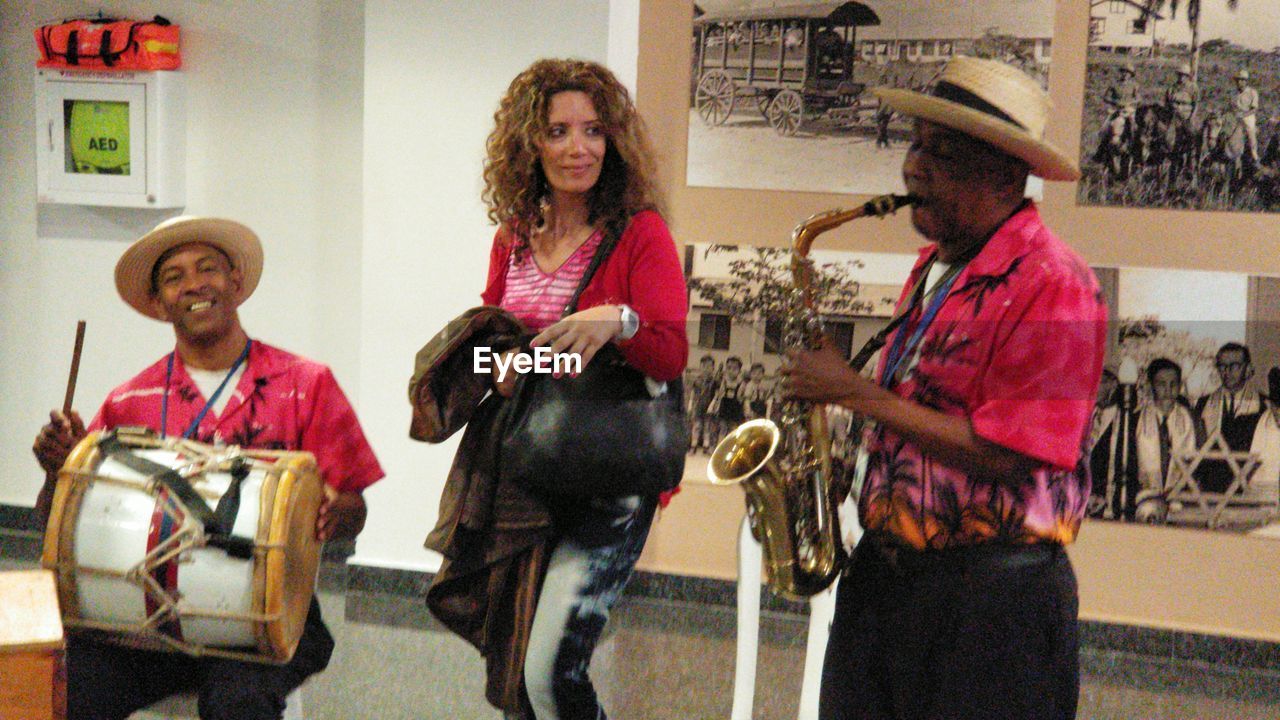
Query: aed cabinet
(111,138)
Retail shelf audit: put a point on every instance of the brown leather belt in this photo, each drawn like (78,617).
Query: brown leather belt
(984,556)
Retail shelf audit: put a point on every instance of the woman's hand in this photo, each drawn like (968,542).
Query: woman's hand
(582,333)
(505,383)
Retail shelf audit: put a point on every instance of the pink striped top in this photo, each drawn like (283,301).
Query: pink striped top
(538,298)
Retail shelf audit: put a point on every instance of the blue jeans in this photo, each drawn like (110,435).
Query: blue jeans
(599,545)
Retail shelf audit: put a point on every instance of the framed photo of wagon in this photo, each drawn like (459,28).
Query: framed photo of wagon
(1180,106)
(779,91)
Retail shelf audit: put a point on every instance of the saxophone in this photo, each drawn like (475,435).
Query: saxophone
(785,468)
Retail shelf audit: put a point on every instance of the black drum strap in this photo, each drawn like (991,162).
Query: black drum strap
(229,504)
(217,533)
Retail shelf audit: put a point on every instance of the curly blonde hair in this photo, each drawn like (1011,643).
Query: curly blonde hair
(515,187)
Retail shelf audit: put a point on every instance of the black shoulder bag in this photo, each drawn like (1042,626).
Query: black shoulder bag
(598,434)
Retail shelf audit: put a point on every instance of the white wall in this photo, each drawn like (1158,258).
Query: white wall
(350,135)
(434,73)
(273,140)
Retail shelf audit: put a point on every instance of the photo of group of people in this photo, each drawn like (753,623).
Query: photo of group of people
(1160,456)
(738,306)
(722,395)
(1186,428)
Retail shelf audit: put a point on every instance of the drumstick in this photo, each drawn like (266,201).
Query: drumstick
(75,369)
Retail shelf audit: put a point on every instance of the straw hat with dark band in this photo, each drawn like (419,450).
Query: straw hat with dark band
(133,271)
(991,101)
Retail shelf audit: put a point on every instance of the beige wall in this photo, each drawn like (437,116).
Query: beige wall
(1214,583)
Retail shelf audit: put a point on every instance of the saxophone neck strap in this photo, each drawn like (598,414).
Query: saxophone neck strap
(916,296)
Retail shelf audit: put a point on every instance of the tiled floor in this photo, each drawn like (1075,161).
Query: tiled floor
(674,660)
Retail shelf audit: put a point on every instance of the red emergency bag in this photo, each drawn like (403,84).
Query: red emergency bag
(102,43)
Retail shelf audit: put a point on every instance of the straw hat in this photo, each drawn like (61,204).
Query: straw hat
(133,271)
(1243,74)
(1184,69)
(993,102)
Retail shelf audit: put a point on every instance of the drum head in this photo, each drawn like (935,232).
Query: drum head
(291,568)
(58,553)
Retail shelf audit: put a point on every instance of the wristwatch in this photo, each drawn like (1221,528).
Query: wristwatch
(630,323)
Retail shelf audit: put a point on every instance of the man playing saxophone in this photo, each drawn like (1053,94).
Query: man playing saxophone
(960,601)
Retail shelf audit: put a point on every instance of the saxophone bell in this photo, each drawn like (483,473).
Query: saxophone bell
(801,545)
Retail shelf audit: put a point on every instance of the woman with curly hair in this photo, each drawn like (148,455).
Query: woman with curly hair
(570,173)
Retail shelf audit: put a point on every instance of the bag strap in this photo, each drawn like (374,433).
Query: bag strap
(607,244)
(73,47)
(104,50)
(44,42)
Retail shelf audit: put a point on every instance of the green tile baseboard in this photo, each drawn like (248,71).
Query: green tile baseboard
(370,589)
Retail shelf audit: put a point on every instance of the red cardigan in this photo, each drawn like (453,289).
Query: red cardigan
(644,272)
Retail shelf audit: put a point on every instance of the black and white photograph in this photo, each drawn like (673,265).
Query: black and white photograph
(740,301)
(779,92)
(1186,431)
(1180,106)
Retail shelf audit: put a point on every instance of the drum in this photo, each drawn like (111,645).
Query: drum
(133,561)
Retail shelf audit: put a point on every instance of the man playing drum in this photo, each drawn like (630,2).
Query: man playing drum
(217,387)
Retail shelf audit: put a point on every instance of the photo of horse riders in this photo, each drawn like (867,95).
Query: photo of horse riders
(1180,108)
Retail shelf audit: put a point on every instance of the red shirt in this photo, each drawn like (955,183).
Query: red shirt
(1017,348)
(282,402)
(644,271)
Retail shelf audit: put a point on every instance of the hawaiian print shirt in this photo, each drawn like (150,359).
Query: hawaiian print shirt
(282,402)
(1017,348)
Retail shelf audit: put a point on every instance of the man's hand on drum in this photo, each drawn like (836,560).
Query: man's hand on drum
(342,515)
(56,440)
(582,333)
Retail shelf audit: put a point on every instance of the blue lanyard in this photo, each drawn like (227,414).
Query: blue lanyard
(902,346)
(164,399)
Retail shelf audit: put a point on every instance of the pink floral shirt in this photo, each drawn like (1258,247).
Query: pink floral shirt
(1017,348)
(282,402)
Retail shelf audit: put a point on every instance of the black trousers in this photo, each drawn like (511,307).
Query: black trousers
(983,633)
(109,682)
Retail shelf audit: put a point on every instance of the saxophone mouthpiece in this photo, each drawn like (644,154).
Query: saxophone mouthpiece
(888,204)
